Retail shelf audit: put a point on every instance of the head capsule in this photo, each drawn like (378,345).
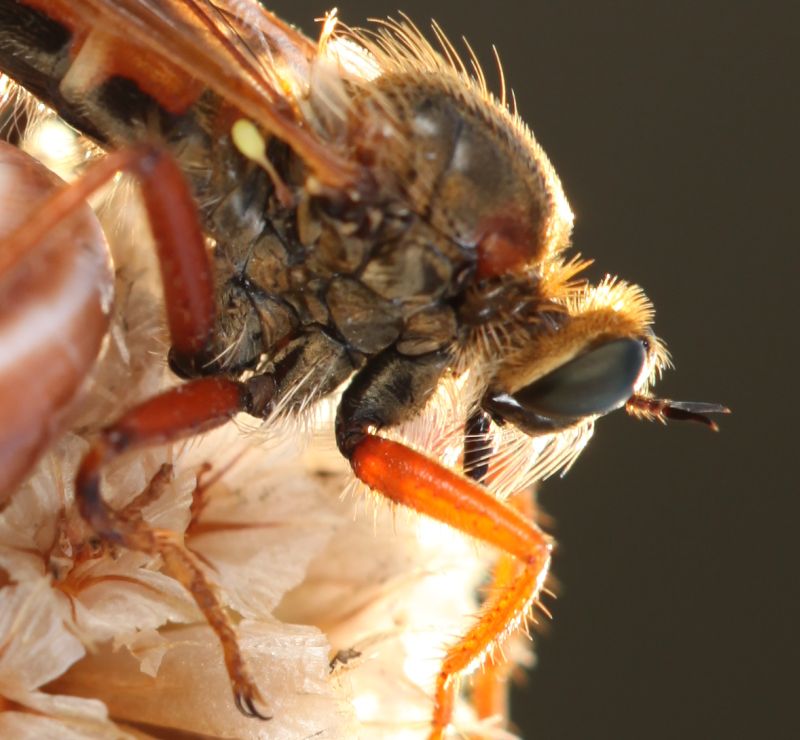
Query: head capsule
(555,353)
(599,355)
(586,361)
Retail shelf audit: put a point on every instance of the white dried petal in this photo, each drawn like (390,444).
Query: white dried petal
(37,647)
(306,573)
(192,692)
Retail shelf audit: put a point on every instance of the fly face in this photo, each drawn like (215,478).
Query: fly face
(381,223)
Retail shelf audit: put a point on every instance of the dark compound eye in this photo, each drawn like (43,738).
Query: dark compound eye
(594,383)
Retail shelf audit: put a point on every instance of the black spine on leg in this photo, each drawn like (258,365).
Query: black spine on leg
(477,446)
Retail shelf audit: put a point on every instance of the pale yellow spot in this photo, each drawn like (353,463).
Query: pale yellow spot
(249,141)
(251,144)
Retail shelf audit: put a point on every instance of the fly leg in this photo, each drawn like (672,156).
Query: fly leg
(387,392)
(189,409)
(490,684)
(489,690)
(151,493)
(414,480)
(186,410)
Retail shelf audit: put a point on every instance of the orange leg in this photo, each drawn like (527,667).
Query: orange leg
(490,692)
(200,494)
(409,478)
(490,685)
(197,406)
(189,409)
(152,492)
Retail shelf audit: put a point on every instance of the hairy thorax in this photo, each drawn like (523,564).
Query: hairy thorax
(335,279)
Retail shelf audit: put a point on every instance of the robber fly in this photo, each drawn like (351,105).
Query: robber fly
(380,222)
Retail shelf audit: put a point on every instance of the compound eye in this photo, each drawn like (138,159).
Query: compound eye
(594,383)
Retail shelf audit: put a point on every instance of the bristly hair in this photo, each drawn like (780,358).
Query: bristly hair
(558,280)
(625,297)
(18,108)
(398,48)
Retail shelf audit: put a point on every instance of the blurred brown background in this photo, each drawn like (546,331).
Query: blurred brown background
(674,128)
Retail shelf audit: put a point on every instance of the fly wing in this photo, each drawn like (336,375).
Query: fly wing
(173,48)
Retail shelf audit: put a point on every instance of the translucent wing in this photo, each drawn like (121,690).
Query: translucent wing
(175,48)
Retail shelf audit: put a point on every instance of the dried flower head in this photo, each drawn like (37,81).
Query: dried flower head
(343,607)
